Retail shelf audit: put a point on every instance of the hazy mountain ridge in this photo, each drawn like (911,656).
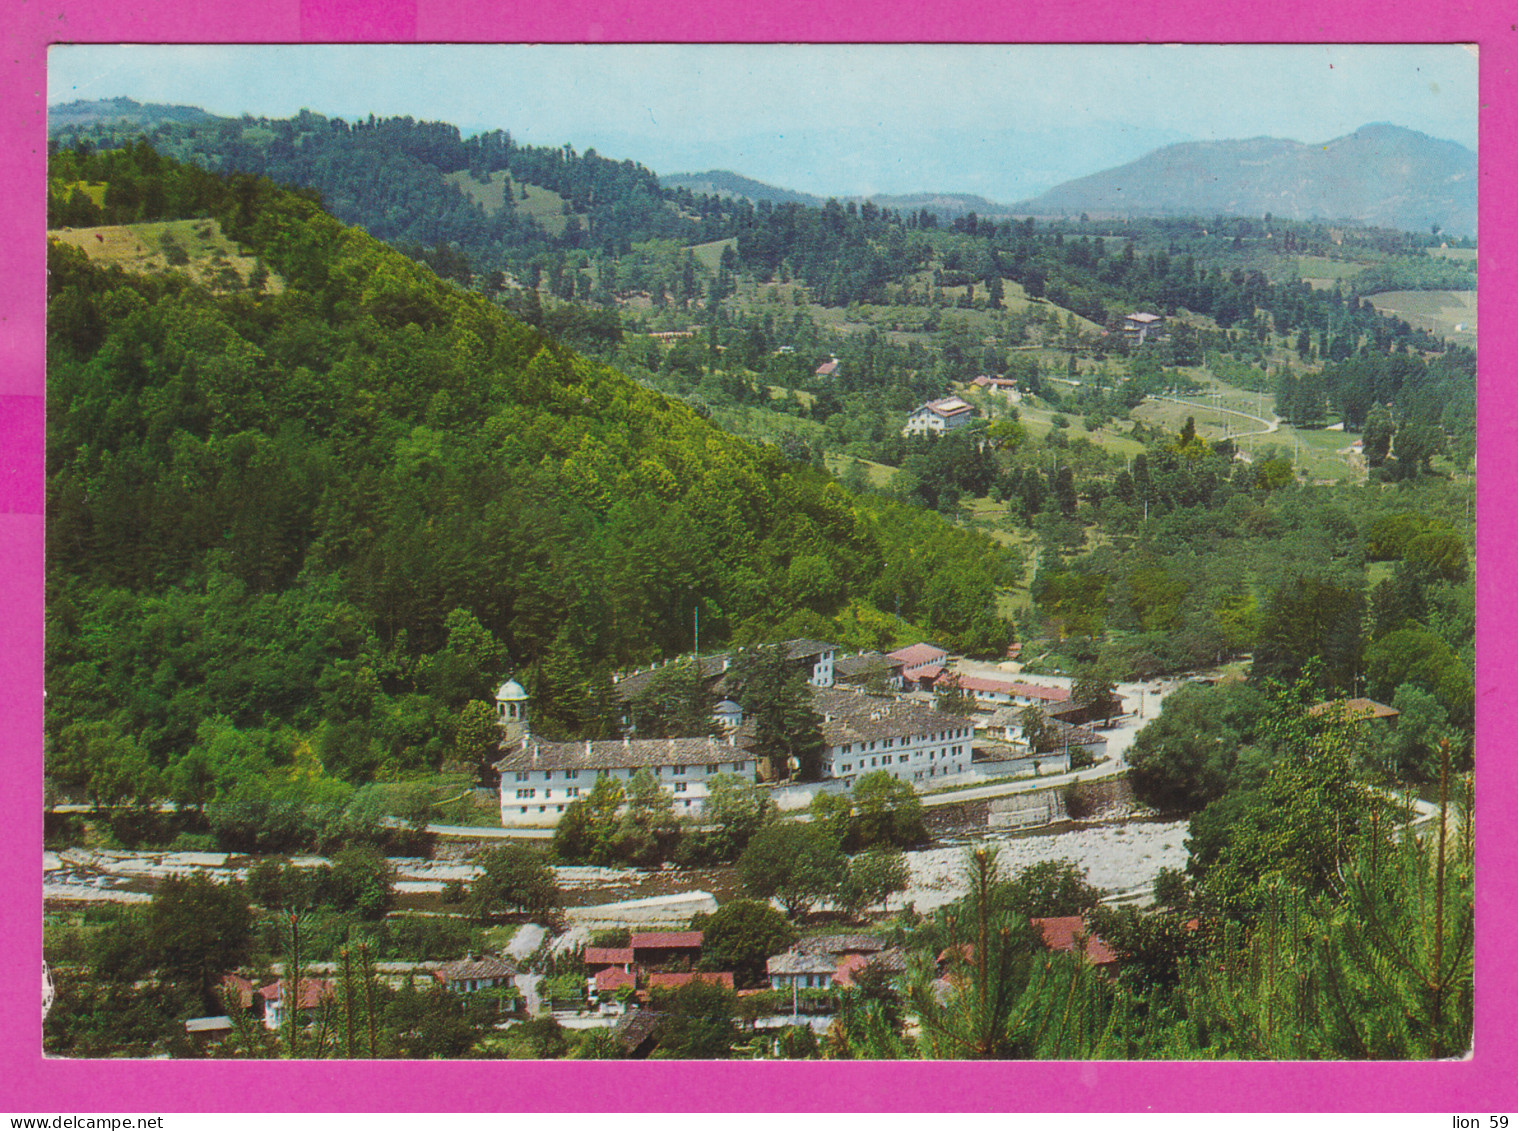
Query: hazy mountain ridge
(117,110)
(1380,175)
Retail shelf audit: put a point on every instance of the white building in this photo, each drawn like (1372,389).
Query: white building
(943,415)
(910,741)
(539,779)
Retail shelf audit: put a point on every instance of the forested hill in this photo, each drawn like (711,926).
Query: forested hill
(327,504)
(422,183)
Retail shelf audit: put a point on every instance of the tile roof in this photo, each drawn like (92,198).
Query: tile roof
(1061,933)
(948,406)
(796,962)
(848,716)
(1356,709)
(917,654)
(611,980)
(637,1027)
(241,987)
(313,991)
(607,955)
(865,664)
(666,940)
(632,685)
(891,961)
(486,966)
(674,981)
(797,649)
(841,944)
(536,754)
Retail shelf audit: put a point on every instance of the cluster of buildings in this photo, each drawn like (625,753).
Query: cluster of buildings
(876,711)
(269,1004)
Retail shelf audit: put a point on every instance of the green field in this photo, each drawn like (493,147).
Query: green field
(1464,254)
(1451,314)
(709,255)
(1316,268)
(210,258)
(543,205)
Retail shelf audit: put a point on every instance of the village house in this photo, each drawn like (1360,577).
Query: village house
(468,974)
(599,958)
(943,415)
(828,368)
(800,971)
(1139,327)
(661,948)
(916,658)
(1070,935)
(270,1002)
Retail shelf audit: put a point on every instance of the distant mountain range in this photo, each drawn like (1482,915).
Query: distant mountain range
(721,182)
(1380,175)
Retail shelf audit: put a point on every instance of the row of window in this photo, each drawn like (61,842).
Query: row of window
(903,740)
(560,808)
(885,759)
(677,770)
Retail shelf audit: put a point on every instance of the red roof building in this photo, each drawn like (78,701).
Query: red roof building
(665,940)
(1068,933)
(917,656)
(601,957)
(610,980)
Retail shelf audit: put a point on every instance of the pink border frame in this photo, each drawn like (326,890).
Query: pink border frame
(1484,1084)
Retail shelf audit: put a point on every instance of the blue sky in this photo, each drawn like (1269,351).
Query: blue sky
(1002,121)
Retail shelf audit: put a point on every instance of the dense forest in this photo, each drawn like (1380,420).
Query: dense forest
(328,517)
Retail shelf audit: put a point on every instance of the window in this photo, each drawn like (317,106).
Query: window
(740,766)
(572,775)
(680,787)
(678,770)
(712,768)
(522,776)
(573,791)
(658,771)
(548,775)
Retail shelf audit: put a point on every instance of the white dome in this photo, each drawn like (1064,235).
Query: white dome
(511,692)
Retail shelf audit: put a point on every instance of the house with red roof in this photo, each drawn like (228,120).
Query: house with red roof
(916,657)
(312,994)
(661,948)
(597,958)
(1070,935)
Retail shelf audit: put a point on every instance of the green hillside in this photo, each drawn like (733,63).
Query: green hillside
(325,520)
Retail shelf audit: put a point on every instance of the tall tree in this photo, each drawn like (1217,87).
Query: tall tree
(775,697)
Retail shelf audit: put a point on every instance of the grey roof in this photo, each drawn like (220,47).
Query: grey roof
(848,716)
(631,686)
(207,1024)
(797,649)
(486,966)
(864,664)
(841,944)
(796,962)
(511,692)
(636,1027)
(619,753)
